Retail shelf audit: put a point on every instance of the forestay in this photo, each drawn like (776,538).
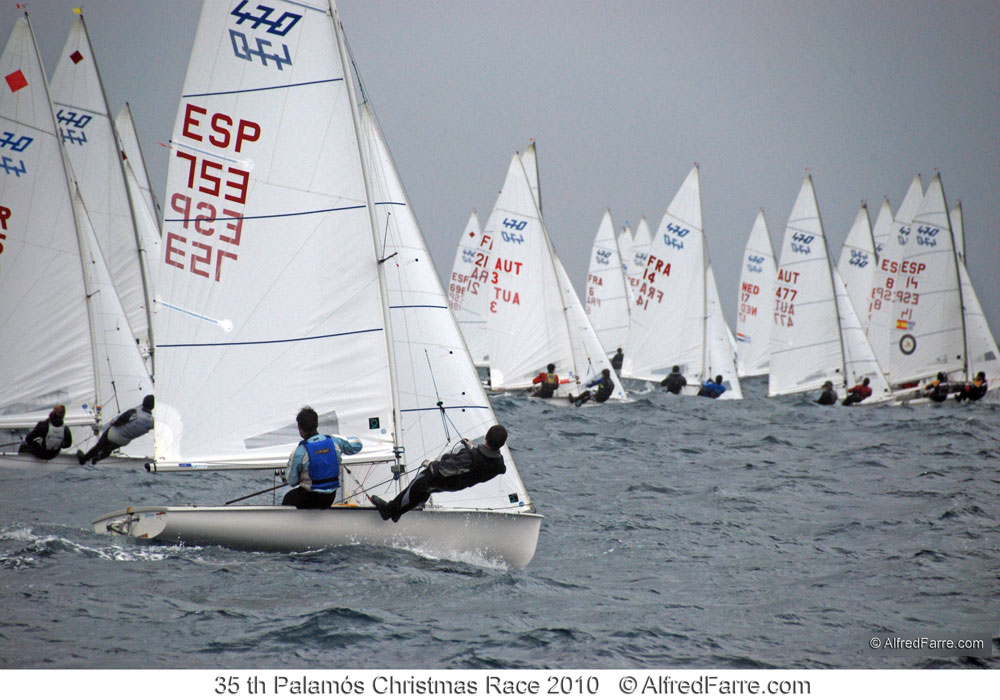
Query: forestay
(88,132)
(625,252)
(83,355)
(754,315)
(980,342)
(133,157)
(607,288)
(857,262)
(440,396)
(468,290)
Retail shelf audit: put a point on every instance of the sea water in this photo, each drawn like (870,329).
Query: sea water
(678,533)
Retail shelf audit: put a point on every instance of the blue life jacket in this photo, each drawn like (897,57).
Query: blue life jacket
(324,464)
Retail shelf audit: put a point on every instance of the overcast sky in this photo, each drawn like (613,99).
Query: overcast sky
(623,97)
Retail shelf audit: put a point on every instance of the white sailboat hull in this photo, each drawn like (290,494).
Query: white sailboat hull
(509,537)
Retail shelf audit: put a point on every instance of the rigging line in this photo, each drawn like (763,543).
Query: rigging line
(362,489)
(264,216)
(262,89)
(385,235)
(440,403)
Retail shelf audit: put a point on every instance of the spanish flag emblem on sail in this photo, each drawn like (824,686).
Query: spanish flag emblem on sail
(901,324)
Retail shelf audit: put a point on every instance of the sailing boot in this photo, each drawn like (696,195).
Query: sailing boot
(382,505)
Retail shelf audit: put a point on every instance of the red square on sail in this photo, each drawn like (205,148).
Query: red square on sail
(76,57)
(16,81)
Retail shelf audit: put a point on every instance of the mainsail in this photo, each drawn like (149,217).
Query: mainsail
(753,318)
(857,262)
(88,131)
(83,355)
(468,289)
(607,288)
(816,336)
(928,332)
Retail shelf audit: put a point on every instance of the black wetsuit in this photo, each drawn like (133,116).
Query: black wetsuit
(452,472)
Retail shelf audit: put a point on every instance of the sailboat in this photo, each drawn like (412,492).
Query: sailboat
(638,253)
(303,279)
(535,316)
(88,131)
(607,288)
(817,335)
(677,318)
(928,334)
(469,288)
(890,244)
(753,319)
(981,345)
(858,260)
(83,354)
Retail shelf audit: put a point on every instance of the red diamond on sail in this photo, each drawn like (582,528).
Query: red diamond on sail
(16,81)
(76,57)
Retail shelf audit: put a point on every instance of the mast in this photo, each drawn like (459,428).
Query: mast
(74,191)
(145,170)
(833,290)
(397,420)
(704,290)
(140,252)
(961,297)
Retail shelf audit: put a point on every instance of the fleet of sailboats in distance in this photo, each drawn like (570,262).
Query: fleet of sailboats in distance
(278,166)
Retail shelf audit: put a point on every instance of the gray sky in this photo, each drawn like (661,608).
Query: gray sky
(622,98)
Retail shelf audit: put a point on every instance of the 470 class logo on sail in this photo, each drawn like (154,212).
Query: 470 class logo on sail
(277,26)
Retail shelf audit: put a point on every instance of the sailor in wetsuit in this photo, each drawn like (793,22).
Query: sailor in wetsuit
(937,390)
(616,361)
(712,390)
(314,466)
(675,381)
(828,397)
(126,427)
(858,393)
(974,391)
(454,471)
(49,436)
(605,387)
(549,383)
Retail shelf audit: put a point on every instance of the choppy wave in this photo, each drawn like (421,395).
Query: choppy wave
(677,533)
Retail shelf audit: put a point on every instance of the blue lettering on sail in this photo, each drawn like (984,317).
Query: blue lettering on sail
(78,121)
(603,257)
(756,259)
(859,258)
(754,268)
(468,255)
(640,259)
(904,235)
(517,225)
(11,168)
(279,27)
(14,142)
(927,236)
(241,49)
(800,243)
